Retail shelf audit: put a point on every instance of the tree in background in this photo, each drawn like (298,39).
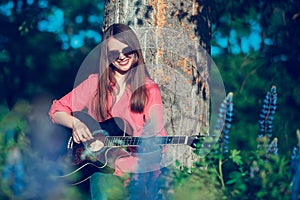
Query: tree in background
(162,20)
(43,43)
(168,30)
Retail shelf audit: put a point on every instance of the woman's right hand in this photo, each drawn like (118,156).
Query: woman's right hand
(80,132)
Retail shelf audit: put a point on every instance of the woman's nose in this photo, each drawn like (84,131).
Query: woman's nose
(121,56)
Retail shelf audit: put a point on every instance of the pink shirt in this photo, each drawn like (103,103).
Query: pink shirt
(150,121)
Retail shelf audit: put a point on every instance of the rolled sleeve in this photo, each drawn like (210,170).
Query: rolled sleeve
(78,99)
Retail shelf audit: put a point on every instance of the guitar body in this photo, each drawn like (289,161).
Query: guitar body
(110,142)
(84,159)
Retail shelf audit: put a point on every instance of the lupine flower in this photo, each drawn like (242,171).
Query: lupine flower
(224,122)
(267,113)
(295,168)
(13,168)
(254,170)
(295,152)
(266,120)
(273,147)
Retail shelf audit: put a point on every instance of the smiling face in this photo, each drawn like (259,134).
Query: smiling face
(121,56)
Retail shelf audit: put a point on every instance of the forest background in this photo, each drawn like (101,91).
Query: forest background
(254,44)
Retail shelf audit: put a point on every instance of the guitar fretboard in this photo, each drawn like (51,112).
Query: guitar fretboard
(112,141)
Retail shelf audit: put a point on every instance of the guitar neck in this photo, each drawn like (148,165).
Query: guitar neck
(113,141)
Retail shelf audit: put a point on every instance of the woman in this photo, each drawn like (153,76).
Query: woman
(122,88)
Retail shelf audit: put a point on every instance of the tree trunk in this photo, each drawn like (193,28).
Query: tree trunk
(171,34)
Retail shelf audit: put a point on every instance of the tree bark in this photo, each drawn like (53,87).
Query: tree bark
(172,34)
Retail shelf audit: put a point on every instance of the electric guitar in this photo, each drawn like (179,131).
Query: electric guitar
(110,142)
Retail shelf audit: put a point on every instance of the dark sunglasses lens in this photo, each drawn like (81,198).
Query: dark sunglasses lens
(127,51)
(114,55)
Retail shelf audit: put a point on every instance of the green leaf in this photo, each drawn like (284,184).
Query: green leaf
(236,157)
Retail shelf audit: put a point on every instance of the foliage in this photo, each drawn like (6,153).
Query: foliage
(201,183)
(38,52)
(25,172)
(12,141)
(43,43)
(257,174)
(36,60)
(257,49)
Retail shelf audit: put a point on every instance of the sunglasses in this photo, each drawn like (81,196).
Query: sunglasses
(114,54)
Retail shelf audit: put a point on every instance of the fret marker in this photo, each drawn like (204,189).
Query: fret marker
(186,139)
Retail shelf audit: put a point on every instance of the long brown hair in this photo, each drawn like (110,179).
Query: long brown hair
(135,79)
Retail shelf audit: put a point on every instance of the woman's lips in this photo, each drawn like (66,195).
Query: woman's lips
(123,62)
